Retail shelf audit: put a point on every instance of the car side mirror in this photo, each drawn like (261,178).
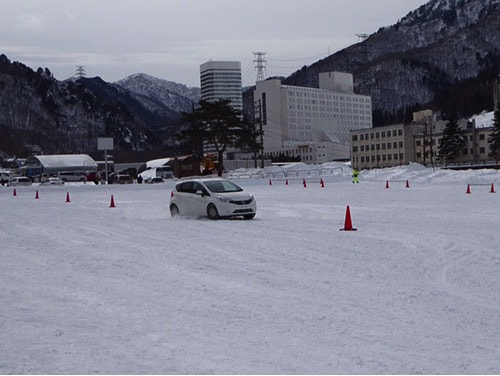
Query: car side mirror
(199,192)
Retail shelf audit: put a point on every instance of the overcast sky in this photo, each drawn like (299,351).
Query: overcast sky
(169,39)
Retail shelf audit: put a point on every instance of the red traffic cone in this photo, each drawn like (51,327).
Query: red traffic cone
(348,222)
(270,182)
(286,182)
(407,184)
(322,183)
(67,197)
(386,184)
(492,188)
(305,183)
(468,189)
(36,196)
(14,193)
(112,204)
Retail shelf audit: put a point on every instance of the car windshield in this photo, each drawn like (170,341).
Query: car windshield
(222,186)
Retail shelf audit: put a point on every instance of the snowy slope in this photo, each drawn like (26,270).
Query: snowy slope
(90,289)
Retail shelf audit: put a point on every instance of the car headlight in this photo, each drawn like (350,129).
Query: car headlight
(223,198)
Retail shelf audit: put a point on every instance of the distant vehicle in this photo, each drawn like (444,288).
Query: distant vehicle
(5,177)
(52,181)
(120,179)
(71,176)
(154,179)
(215,198)
(19,180)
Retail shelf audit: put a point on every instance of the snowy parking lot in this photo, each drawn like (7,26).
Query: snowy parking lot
(86,288)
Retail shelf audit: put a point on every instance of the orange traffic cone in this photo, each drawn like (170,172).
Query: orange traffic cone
(468,189)
(348,222)
(305,183)
(36,196)
(14,193)
(112,204)
(407,184)
(386,184)
(492,188)
(322,183)
(67,197)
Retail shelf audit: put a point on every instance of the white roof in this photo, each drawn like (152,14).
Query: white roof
(483,120)
(66,160)
(157,162)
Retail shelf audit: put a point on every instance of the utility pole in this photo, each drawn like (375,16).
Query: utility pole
(261,65)
(259,106)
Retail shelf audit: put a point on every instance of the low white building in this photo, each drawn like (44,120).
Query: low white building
(51,164)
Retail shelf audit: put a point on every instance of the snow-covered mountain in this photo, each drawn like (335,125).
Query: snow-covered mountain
(445,55)
(154,92)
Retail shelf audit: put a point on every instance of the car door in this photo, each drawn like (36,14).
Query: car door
(199,202)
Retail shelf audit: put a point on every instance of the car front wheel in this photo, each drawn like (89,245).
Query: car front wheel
(174,210)
(249,216)
(212,212)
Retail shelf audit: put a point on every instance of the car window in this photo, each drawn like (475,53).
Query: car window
(198,187)
(185,187)
(222,186)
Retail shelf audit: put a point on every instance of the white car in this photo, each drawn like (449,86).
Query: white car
(19,180)
(52,181)
(212,197)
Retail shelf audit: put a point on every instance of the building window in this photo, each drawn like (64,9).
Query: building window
(394,133)
(481,136)
(355,138)
(361,137)
(482,150)
(383,134)
(464,152)
(354,149)
(400,132)
(418,142)
(362,147)
(377,135)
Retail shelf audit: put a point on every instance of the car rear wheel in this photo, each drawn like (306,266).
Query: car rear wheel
(174,210)
(212,212)
(249,216)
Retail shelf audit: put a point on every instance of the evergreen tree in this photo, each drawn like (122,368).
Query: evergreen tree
(215,123)
(451,143)
(494,140)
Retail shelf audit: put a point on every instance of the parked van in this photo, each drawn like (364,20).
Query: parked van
(71,176)
(19,180)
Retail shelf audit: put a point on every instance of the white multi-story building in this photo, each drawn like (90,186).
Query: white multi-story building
(222,80)
(294,115)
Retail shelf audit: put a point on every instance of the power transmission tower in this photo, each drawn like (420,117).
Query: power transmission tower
(362,37)
(261,65)
(80,71)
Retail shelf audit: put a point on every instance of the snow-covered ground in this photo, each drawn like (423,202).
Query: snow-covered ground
(85,288)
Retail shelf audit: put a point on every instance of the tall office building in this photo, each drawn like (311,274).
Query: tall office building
(222,80)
